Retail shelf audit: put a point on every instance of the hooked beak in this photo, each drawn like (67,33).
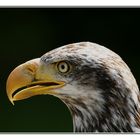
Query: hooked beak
(23,83)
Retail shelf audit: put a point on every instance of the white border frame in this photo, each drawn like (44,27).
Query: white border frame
(72,3)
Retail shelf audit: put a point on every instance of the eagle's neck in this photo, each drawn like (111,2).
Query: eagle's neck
(110,117)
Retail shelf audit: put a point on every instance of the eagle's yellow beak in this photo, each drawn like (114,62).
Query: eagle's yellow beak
(24,82)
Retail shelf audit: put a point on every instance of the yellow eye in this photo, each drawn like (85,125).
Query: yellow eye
(63,67)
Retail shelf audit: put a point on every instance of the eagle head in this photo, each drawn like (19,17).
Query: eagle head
(93,81)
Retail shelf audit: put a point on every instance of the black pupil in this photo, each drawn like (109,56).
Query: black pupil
(62,66)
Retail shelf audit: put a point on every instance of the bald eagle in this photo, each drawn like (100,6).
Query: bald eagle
(94,82)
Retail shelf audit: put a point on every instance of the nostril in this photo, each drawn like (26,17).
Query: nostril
(31,69)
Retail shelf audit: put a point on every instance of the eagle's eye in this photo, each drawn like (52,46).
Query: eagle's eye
(63,67)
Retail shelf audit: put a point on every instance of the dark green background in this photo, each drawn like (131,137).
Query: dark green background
(29,33)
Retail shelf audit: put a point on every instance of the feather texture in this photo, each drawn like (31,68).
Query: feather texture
(102,93)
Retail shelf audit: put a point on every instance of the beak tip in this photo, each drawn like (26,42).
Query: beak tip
(12,103)
(11,100)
